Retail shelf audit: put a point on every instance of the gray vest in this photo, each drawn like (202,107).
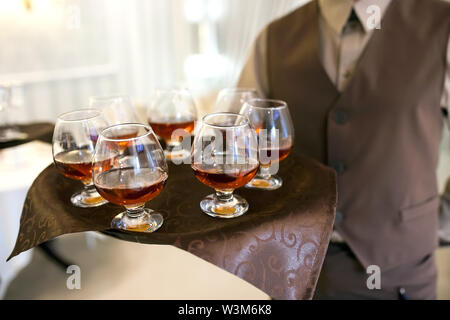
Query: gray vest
(382,133)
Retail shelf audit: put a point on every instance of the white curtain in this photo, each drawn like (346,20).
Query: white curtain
(63,52)
(242,23)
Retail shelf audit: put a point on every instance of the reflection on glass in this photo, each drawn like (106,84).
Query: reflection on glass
(273,124)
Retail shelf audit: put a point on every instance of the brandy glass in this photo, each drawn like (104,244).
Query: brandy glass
(74,140)
(225,158)
(172,114)
(273,124)
(232,99)
(130,176)
(116,108)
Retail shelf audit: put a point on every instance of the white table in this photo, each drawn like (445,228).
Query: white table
(19,166)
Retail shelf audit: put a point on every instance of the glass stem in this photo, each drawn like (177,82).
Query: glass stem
(224,195)
(135,211)
(264,172)
(89,190)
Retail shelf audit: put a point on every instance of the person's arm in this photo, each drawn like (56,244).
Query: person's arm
(444,217)
(254,74)
(445,102)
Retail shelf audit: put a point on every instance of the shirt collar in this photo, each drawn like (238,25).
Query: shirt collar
(337,12)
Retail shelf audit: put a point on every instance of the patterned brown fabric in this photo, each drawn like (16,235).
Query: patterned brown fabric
(278,246)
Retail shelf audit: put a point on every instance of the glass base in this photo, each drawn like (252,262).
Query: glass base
(88,198)
(215,208)
(149,222)
(271,183)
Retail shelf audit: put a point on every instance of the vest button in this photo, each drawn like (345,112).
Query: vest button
(340,116)
(339,167)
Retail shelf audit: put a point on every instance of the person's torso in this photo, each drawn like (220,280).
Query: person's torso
(381,133)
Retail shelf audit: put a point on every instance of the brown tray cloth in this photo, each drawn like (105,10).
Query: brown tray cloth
(42,131)
(278,246)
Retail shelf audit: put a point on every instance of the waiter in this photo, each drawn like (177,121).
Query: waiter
(367,101)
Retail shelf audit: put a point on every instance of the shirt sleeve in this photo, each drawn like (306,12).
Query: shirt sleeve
(445,102)
(254,74)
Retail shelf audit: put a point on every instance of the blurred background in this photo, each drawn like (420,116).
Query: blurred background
(55,55)
(58,53)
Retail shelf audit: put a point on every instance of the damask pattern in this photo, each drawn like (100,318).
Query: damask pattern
(278,246)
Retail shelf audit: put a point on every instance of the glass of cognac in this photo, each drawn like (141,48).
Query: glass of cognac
(273,125)
(225,158)
(172,114)
(74,140)
(135,174)
(232,99)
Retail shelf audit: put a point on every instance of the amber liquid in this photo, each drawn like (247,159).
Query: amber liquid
(130,186)
(75,164)
(124,136)
(265,155)
(122,144)
(226,178)
(166,129)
